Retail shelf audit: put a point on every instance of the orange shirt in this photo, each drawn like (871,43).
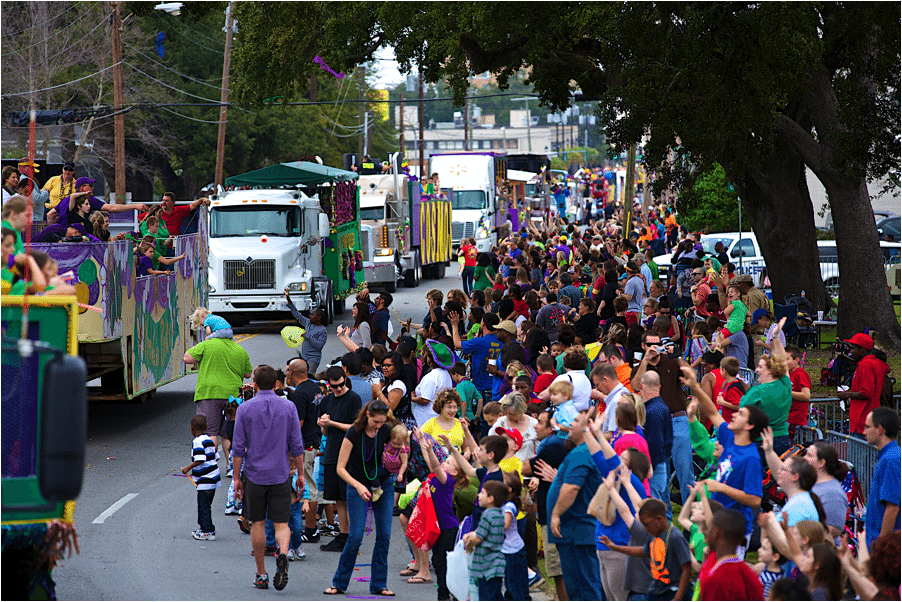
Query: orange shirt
(623,374)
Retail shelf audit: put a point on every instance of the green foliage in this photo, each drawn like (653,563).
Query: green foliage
(711,204)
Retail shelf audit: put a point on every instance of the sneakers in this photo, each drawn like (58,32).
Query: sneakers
(310,536)
(298,554)
(232,509)
(271,550)
(280,579)
(229,472)
(333,529)
(203,535)
(536,581)
(336,545)
(262,581)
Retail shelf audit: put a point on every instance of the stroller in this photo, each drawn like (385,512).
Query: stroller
(806,335)
(840,369)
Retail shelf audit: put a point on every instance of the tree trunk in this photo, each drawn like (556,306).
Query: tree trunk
(781,214)
(864,299)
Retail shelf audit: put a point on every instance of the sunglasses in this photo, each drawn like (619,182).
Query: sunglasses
(338,385)
(68,169)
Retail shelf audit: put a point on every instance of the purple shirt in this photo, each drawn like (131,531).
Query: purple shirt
(96,205)
(144,264)
(266,429)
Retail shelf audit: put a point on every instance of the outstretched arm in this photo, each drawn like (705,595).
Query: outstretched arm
(706,407)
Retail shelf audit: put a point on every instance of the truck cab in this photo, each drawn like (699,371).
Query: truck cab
(377,220)
(262,242)
(475,179)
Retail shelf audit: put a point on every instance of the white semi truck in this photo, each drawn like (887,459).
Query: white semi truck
(262,242)
(478,210)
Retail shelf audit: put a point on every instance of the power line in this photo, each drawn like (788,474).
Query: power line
(186,117)
(162,83)
(192,40)
(203,83)
(74,5)
(63,51)
(21,50)
(62,85)
(186,26)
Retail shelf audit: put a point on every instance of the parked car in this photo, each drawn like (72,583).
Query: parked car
(830,266)
(890,227)
(746,247)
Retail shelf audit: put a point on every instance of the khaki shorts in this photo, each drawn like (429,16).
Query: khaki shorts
(552,560)
(309,477)
(212,410)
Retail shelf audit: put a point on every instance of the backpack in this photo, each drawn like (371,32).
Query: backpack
(886,393)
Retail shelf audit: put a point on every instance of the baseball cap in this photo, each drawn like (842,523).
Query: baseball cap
(862,340)
(512,433)
(759,313)
(69,165)
(507,326)
(82,181)
(743,278)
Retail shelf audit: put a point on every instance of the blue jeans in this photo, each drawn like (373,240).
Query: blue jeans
(467,275)
(516,580)
(682,459)
(204,512)
(658,484)
(295,523)
(638,597)
(357,508)
(580,570)
(489,589)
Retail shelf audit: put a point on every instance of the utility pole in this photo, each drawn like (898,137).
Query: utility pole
(224,98)
(466,125)
(119,119)
(401,124)
(361,110)
(422,117)
(628,191)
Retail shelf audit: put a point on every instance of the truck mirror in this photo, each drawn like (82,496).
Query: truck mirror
(323,225)
(64,428)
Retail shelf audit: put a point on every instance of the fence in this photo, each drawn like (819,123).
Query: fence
(829,416)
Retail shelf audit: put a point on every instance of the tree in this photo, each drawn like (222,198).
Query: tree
(711,204)
(744,85)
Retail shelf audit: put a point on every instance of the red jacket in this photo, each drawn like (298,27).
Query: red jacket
(868,379)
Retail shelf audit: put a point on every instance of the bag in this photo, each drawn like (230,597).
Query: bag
(457,573)
(423,529)
(886,393)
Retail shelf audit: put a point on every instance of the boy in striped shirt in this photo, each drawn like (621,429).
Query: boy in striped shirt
(205,474)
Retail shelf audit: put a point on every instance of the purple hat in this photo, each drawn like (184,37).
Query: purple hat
(80,228)
(82,181)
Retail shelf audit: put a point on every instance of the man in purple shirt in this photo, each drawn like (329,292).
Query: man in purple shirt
(267,429)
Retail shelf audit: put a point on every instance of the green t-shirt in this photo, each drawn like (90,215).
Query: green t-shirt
(561,369)
(8,288)
(222,366)
(697,543)
(774,398)
(653,267)
(469,397)
(161,236)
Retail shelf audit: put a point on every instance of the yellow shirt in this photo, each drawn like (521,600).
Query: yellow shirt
(513,464)
(456,434)
(58,190)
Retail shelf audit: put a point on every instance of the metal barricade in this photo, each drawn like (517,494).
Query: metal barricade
(829,414)
(807,434)
(857,452)
(749,376)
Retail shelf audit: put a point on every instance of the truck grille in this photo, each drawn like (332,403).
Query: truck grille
(252,274)
(462,230)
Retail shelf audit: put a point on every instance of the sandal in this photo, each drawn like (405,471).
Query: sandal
(409,572)
(384,592)
(333,591)
(418,580)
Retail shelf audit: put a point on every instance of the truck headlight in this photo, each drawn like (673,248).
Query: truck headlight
(385,252)
(483,232)
(211,288)
(298,286)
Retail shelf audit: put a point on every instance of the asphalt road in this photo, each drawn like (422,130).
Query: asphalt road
(143,550)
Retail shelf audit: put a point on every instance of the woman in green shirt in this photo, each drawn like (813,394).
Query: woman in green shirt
(773,393)
(485,273)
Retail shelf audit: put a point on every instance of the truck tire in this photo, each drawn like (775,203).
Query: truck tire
(439,271)
(412,277)
(339,306)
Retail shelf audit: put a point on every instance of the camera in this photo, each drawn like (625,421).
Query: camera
(661,349)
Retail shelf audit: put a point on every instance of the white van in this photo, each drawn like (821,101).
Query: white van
(735,247)
(830,264)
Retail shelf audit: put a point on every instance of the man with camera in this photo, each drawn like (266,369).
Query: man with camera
(655,359)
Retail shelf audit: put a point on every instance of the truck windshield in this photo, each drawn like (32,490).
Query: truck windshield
(254,221)
(372,213)
(468,199)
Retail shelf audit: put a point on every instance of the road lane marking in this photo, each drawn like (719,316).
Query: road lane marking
(109,511)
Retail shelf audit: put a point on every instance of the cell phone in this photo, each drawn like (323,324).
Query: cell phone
(637,355)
